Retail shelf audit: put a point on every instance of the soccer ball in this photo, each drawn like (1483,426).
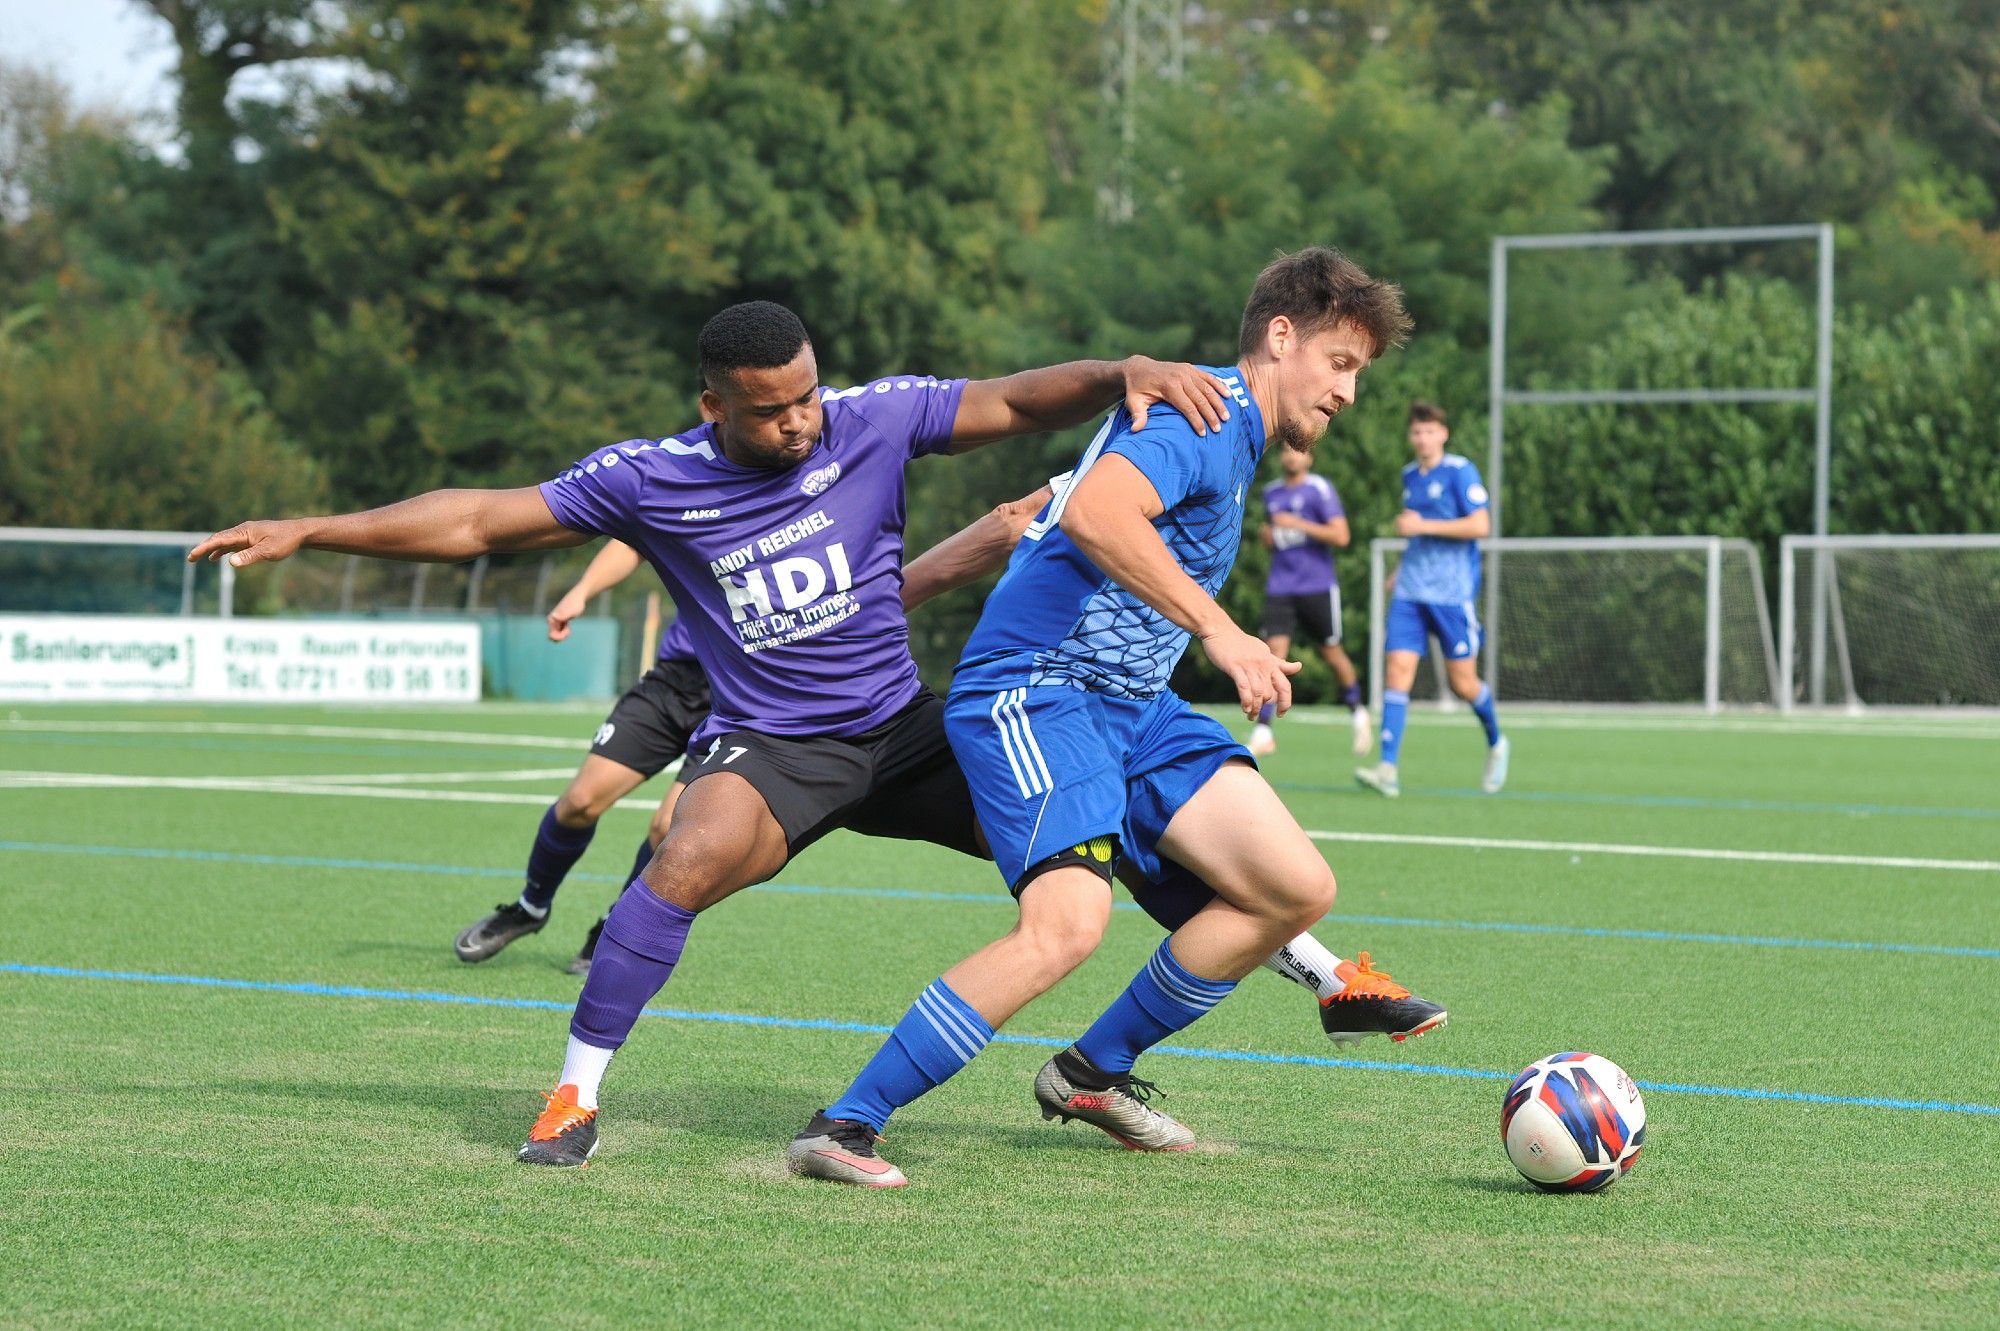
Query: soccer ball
(1573,1123)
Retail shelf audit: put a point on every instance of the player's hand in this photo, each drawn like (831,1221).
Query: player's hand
(1259,676)
(1018,514)
(1189,389)
(1409,523)
(570,607)
(254,542)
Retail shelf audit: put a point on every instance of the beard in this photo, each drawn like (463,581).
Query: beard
(1300,436)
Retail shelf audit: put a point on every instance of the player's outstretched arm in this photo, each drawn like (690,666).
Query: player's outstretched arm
(444,526)
(1055,398)
(1110,517)
(970,552)
(613,564)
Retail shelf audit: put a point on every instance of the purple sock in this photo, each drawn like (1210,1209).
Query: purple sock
(1267,713)
(1351,696)
(557,849)
(642,941)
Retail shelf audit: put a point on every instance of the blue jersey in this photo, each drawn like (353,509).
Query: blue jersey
(1438,570)
(1056,618)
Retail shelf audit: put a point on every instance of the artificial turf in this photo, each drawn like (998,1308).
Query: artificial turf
(330,1141)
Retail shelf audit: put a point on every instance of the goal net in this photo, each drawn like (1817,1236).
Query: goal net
(1643,620)
(1890,620)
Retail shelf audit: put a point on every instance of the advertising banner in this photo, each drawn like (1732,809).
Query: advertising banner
(54,658)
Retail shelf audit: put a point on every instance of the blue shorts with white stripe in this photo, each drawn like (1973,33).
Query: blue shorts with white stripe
(1051,766)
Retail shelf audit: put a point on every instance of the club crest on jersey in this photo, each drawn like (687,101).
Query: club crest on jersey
(818,481)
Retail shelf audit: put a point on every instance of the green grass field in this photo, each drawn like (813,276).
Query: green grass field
(249,1085)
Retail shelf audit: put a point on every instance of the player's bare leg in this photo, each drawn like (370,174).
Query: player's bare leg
(1463,675)
(722,839)
(567,828)
(1399,671)
(1262,741)
(656,832)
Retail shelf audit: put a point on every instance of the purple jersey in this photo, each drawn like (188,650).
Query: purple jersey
(1301,566)
(790,581)
(677,643)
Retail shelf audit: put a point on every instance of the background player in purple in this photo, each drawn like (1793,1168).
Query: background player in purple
(1307,524)
(649,727)
(777,528)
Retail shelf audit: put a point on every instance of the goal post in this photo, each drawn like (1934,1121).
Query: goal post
(1613,620)
(1909,620)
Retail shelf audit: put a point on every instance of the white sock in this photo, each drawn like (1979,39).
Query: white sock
(1306,962)
(1261,731)
(583,1068)
(534,911)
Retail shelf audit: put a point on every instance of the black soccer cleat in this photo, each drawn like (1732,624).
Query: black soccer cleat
(485,937)
(580,963)
(1374,1004)
(565,1135)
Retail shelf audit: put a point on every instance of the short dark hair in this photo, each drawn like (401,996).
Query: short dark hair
(1318,288)
(754,335)
(1421,410)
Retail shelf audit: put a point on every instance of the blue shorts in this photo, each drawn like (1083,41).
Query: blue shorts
(1051,767)
(1456,627)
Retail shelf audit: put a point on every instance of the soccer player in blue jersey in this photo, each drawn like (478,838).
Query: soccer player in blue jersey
(1079,756)
(1307,523)
(1445,514)
(777,527)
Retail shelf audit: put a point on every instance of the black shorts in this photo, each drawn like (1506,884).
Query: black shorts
(1314,616)
(649,726)
(898,780)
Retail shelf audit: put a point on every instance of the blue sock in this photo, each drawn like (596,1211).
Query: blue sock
(1395,710)
(1482,707)
(1265,713)
(557,849)
(1350,697)
(1163,997)
(645,858)
(938,1035)
(642,941)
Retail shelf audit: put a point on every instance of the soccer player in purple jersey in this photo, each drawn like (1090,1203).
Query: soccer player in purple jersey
(1307,524)
(777,528)
(648,727)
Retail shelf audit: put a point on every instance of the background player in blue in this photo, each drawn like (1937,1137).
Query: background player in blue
(1307,523)
(1077,753)
(1444,514)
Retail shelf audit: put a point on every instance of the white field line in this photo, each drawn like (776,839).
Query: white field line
(419,778)
(1666,852)
(471,737)
(1424,714)
(98,781)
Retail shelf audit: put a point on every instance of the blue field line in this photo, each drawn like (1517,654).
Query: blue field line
(1034,1041)
(994,898)
(1709,802)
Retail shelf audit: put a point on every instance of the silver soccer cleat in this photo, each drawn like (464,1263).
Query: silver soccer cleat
(1120,1108)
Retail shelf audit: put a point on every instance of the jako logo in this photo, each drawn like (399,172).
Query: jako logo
(691,514)
(818,481)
